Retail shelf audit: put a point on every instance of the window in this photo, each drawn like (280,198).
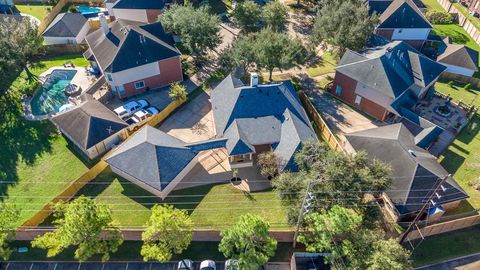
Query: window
(109,77)
(339,89)
(358,99)
(139,85)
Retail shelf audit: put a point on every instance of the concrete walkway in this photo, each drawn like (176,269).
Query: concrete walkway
(470,262)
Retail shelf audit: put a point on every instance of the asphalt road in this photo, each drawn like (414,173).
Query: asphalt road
(471,262)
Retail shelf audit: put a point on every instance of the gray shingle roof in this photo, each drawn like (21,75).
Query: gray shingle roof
(459,55)
(152,157)
(403,14)
(65,25)
(131,44)
(265,114)
(89,123)
(390,69)
(140,4)
(415,171)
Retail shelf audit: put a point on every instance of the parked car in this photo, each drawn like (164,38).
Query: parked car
(128,109)
(185,264)
(208,265)
(143,114)
(232,264)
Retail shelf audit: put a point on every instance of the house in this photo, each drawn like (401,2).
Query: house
(145,11)
(459,59)
(415,172)
(91,127)
(403,20)
(66,28)
(153,160)
(258,118)
(6,6)
(134,57)
(383,80)
(379,6)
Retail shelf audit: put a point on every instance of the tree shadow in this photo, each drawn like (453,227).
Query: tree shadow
(470,132)
(451,161)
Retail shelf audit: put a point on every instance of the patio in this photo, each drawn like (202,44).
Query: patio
(454,122)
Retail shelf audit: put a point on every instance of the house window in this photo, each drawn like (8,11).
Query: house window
(139,85)
(358,99)
(109,77)
(339,89)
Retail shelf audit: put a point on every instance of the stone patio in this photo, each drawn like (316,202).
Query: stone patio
(454,122)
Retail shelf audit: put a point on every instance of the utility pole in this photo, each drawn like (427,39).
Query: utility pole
(424,207)
(304,209)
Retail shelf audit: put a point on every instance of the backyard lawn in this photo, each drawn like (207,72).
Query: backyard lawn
(457,92)
(447,246)
(37,11)
(325,65)
(433,5)
(210,206)
(37,162)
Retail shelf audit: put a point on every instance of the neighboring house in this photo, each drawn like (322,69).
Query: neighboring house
(415,172)
(145,11)
(379,6)
(384,80)
(109,6)
(153,160)
(259,118)
(6,6)
(91,127)
(403,20)
(66,28)
(459,59)
(134,57)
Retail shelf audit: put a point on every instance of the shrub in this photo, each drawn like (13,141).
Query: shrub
(268,163)
(72,9)
(177,92)
(439,17)
(467,86)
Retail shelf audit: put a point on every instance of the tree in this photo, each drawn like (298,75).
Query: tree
(80,223)
(389,254)
(268,163)
(275,15)
(278,50)
(177,92)
(8,217)
(240,53)
(199,30)
(344,24)
(248,16)
(290,186)
(248,241)
(169,231)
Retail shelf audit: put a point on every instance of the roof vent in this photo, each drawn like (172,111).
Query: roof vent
(253,79)
(411,152)
(389,49)
(443,188)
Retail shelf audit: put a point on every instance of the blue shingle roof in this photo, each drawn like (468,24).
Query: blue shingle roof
(140,4)
(403,14)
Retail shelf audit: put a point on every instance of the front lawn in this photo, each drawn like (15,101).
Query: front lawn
(326,64)
(37,162)
(37,11)
(438,248)
(210,206)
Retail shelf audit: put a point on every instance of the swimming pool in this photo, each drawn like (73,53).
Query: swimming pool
(89,12)
(50,97)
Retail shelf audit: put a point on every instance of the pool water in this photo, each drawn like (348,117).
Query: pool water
(87,10)
(50,97)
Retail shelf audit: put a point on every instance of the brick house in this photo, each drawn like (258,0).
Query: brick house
(134,57)
(381,79)
(146,11)
(403,20)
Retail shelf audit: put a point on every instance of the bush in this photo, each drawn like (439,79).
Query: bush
(467,86)
(72,9)
(177,92)
(439,17)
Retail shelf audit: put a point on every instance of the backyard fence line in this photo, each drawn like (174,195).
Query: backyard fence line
(447,76)
(325,132)
(463,21)
(444,227)
(57,49)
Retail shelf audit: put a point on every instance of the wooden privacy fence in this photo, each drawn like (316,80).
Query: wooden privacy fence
(439,228)
(325,132)
(65,49)
(136,235)
(462,20)
(447,76)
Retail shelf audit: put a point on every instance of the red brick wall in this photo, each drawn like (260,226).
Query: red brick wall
(386,33)
(152,15)
(348,95)
(170,71)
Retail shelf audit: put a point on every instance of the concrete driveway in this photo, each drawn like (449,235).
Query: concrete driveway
(192,122)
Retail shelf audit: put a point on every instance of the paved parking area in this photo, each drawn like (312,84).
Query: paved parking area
(192,122)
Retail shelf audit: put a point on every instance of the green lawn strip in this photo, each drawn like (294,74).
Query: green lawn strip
(438,248)
(457,92)
(211,207)
(433,5)
(325,65)
(130,251)
(41,163)
(457,34)
(475,21)
(37,11)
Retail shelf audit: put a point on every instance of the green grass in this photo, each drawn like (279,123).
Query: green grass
(130,210)
(433,5)
(475,21)
(37,11)
(130,251)
(457,34)
(447,246)
(36,160)
(325,65)
(457,92)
